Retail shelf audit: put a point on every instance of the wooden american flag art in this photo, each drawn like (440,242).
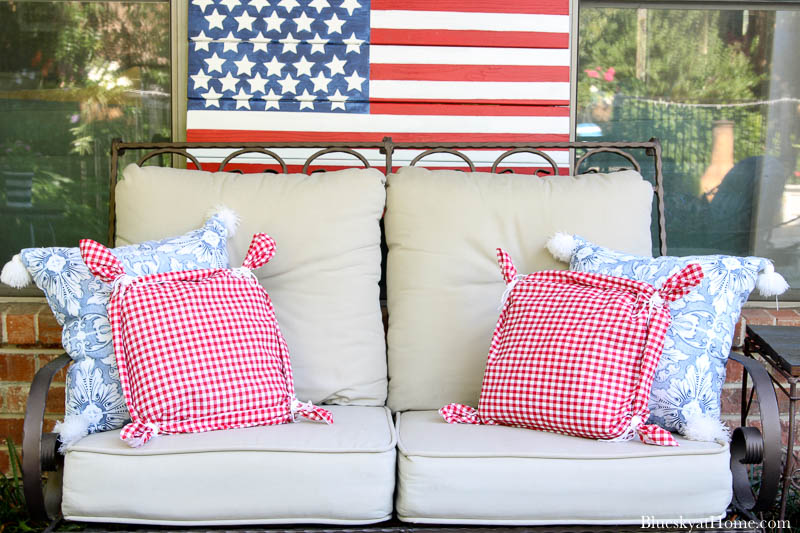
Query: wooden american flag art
(357,70)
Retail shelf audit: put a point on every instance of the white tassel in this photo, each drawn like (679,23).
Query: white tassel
(703,427)
(228,217)
(15,274)
(71,430)
(770,283)
(562,245)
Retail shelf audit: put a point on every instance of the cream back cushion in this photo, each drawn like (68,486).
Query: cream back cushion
(443,282)
(324,277)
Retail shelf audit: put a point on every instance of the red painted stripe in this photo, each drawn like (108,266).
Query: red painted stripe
(207,135)
(381,71)
(483,39)
(519,103)
(531,7)
(249,168)
(409,108)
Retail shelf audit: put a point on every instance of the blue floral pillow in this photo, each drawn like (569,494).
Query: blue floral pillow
(94,400)
(686,391)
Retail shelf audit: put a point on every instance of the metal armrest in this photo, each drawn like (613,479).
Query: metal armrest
(751,446)
(40,450)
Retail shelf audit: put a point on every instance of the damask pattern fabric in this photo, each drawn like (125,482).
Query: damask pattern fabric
(688,381)
(94,400)
(198,350)
(575,353)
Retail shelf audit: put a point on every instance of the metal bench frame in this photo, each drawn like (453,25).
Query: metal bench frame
(749,445)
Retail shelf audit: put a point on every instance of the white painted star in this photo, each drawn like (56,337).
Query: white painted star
(319,5)
(274,22)
(260,42)
(321,82)
(202,4)
(350,6)
(259,4)
(318,44)
(272,100)
(354,81)
(200,80)
(306,100)
(229,82)
(274,67)
(230,4)
(201,41)
(336,65)
(244,66)
(288,5)
(303,22)
(215,63)
(337,100)
(303,67)
(215,19)
(334,24)
(242,99)
(212,98)
(230,43)
(289,43)
(288,84)
(257,83)
(245,21)
(353,44)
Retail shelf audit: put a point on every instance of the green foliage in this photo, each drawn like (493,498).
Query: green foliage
(685,57)
(13,515)
(76,75)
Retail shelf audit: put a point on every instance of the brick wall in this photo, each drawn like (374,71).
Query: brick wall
(789,315)
(31,338)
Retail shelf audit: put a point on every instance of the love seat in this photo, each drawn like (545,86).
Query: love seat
(389,455)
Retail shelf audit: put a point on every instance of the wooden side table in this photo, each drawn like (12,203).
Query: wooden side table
(779,346)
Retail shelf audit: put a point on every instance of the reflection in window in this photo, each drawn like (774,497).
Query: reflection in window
(721,90)
(73,75)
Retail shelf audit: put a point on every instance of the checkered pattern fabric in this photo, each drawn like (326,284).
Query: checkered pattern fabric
(199,350)
(575,353)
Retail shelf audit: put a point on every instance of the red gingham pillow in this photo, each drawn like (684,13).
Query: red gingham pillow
(198,350)
(575,353)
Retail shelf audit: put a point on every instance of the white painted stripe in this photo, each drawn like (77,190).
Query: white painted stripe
(298,156)
(445,20)
(454,55)
(468,90)
(358,122)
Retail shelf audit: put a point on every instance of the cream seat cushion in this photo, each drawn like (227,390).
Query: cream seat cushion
(443,282)
(466,474)
(324,277)
(304,472)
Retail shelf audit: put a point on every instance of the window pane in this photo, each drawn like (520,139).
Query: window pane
(73,75)
(720,90)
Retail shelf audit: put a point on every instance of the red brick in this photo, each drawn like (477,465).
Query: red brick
(5,465)
(732,398)
(757,317)
(733,372)
(49,329)
(11,428)
(61,376)
(738,333)
(55,400)
(17,367)
(20,323)
(49,424)
(14,399)
(785,317)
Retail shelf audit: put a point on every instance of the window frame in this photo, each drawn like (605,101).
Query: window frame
(793,294)
(178,13)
